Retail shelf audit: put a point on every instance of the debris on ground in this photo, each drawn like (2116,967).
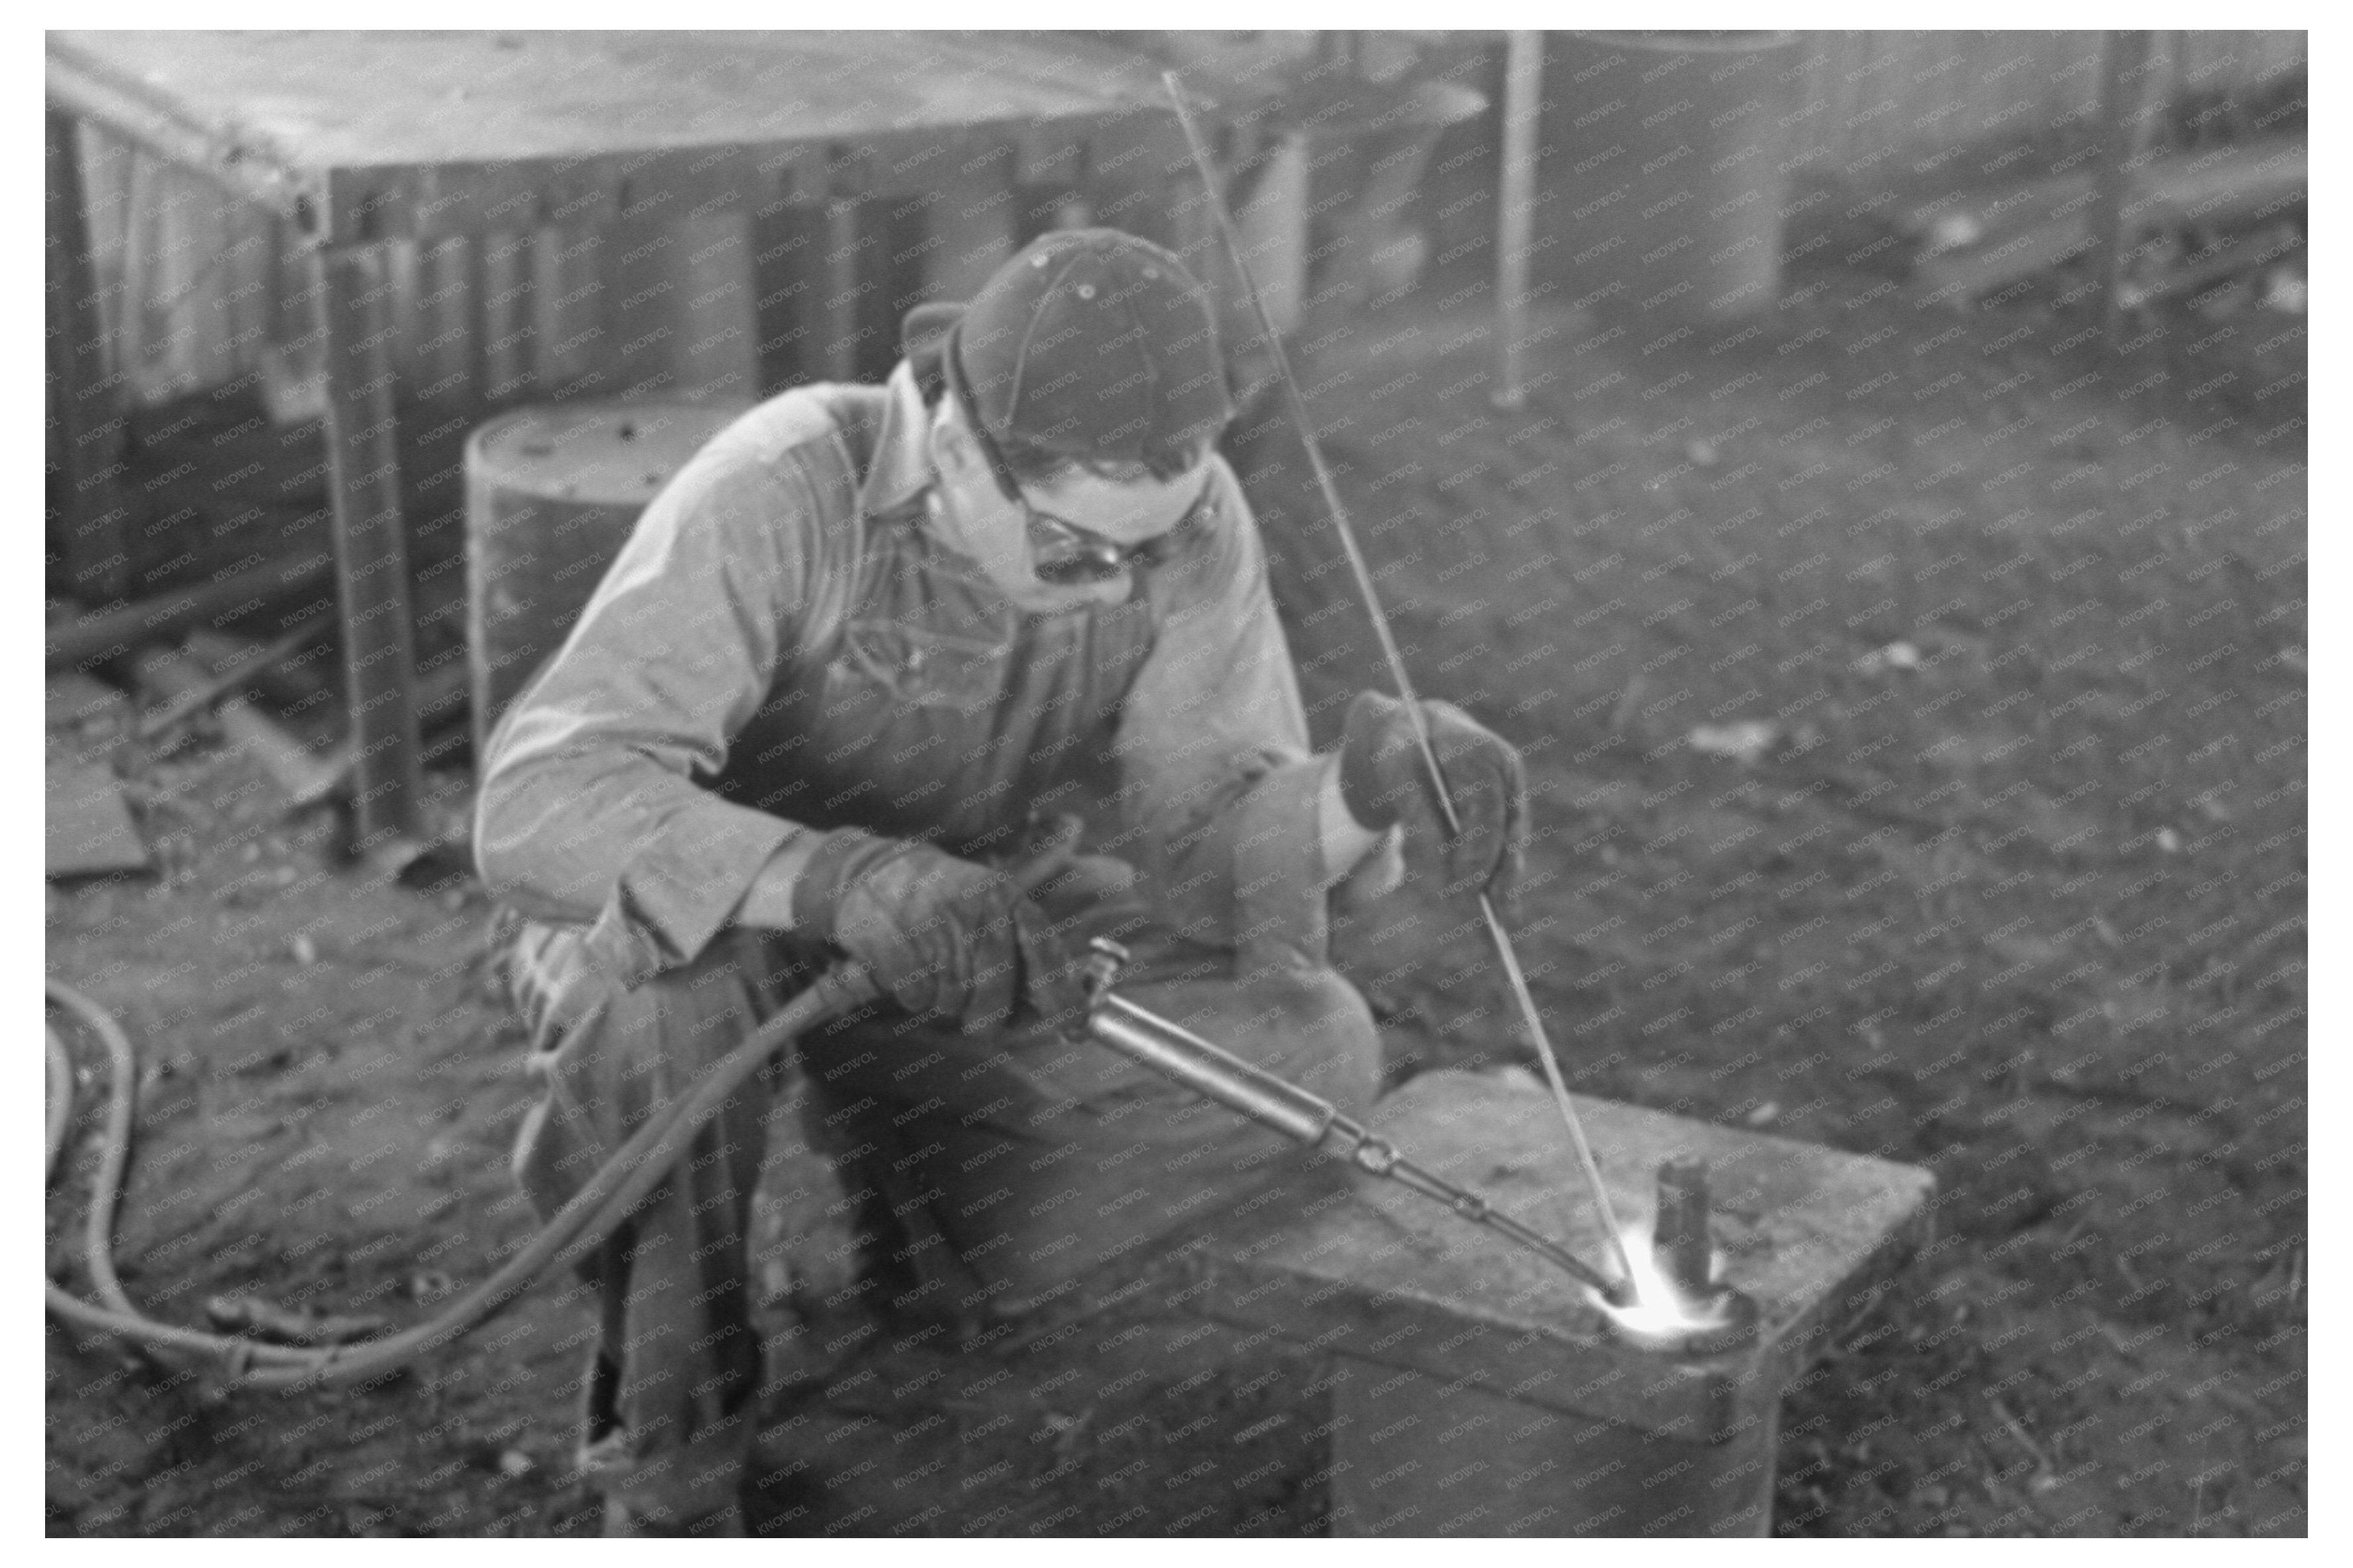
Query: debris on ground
(1745,741)
(89,830)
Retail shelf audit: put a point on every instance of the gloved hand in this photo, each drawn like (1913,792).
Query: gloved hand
(947,936)
(935,931)
(1068,898)
(1384,781)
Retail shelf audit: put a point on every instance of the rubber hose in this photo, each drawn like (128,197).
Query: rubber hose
(591,1215)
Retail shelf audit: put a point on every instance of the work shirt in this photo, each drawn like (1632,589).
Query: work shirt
(783,646)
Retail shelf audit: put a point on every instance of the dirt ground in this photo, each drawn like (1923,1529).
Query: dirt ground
(2012,886)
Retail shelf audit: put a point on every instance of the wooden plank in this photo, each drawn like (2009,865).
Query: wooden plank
(368,135)
(86,829)
(2036,224)
(88,88)
(94,639)
(230,665)
(1958,277)
(175,679)
(371,549)
(70,699)
(2223,183)
(92,523)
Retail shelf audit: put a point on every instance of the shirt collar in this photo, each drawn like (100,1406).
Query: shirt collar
(901,469)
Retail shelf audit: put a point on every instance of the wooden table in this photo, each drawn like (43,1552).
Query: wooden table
(359,138)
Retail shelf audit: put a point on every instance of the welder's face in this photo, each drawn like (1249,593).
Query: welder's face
(1072,540)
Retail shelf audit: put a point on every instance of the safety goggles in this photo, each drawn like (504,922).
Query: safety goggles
(1060,552)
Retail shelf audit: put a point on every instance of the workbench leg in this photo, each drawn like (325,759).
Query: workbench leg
(371,551)
(85,448)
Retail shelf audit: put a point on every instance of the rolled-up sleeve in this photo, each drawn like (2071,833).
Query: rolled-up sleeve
(593,807)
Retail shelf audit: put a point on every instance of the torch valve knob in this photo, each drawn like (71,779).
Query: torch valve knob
(1105,959)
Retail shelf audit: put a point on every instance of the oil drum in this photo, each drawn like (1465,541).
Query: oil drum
(551,495)
(1663,176)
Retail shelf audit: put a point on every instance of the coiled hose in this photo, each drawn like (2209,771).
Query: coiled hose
(581,1224)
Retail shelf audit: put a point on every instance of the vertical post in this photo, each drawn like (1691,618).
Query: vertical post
(1515,216)
(86,445)
(371,553)
(2132,58)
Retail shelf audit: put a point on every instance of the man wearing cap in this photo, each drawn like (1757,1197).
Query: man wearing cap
(870,651)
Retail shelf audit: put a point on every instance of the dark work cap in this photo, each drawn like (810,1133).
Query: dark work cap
(1091,344)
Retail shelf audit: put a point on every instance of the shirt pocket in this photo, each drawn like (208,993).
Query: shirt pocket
(887,662)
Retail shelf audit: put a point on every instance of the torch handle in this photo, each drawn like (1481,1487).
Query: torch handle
(1209,1070)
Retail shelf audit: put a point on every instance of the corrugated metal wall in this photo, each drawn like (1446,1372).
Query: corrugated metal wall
(198,289)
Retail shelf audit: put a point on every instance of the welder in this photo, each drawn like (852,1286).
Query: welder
(871,659)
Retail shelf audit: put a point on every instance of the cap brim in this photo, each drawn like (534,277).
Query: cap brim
(924,326)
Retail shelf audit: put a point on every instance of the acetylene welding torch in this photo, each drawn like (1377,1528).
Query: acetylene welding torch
(1209,1070)
(1295,404)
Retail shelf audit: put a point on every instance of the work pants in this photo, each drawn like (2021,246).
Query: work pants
(994,1172)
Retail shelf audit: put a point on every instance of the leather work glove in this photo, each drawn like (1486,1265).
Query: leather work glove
(947,936)
(935,931)
(1068,898)
(1384,781)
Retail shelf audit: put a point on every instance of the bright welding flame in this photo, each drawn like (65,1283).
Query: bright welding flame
(1659,1309)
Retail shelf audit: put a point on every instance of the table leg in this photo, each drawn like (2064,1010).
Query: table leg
(87,444)
(371,551)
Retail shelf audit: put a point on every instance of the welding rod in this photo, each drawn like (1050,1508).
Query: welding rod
(1297,405)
